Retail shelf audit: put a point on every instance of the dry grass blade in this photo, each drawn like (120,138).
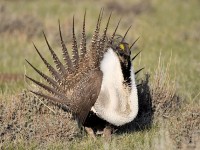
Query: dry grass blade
(163,91)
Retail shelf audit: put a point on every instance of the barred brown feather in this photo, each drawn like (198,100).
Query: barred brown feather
(53,83)
(59,65)
(68,62)
(83,40)
(75,55)
(53,72)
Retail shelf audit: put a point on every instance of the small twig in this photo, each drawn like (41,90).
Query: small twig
(196,96)
(45,104)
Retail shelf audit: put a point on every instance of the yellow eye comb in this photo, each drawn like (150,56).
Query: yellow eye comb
(122,46)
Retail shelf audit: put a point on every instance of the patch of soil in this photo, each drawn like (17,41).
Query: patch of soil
(8,77)
(135,8)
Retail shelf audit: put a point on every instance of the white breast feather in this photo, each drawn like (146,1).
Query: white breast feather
(117,94)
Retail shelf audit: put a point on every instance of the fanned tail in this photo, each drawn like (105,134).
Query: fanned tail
(67,75)
(76,83)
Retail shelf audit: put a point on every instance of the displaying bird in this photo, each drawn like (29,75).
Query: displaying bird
(97,84)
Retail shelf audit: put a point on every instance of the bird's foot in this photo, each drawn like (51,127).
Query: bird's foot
(107,132)
(90,132)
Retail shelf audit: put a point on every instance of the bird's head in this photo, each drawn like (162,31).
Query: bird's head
(122,50)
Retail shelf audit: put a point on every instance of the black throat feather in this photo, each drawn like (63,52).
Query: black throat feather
(126,71)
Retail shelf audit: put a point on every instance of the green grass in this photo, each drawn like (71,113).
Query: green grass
(168,28)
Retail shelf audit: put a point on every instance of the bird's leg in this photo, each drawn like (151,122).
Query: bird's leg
(107,131)
(90,132)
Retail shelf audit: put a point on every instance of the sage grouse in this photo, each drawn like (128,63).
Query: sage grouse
(97,84)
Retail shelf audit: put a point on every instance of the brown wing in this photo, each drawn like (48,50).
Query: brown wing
(85,94)
(83,97)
